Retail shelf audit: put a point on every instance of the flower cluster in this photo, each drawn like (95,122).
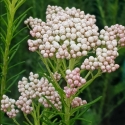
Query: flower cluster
(8,106)
(50,93)
(24,104)
(78,102)
(109,34)
(70,33)
(106,52)
(36,88)
(66,34)
(74,81)
(57,76)
(39,88)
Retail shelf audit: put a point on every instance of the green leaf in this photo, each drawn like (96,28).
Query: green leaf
(86,105)
(19,32)
(1,50)
(5,123)
(16,64)
(25,123)
(3,32)
(16,75)
(14,49)
(50,103)
(15,46)
(7,2)
(16,25)
(3,38)
(12,83)
(117,89)
(19,17)
(82,119)
(4,22)
(84,108)
(12,53)
(1,66)
(88,82)
(19,4)
(73,120)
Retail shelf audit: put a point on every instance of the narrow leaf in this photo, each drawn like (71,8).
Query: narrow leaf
(88,104)
(15,46)
(3,32)
(19,4)
(50,103)
(19,17)
(19,21)
(3,38)
(16,75)
(19,32)
(13,53)
(82,119)
(25,123)
(2,19)
(16,64)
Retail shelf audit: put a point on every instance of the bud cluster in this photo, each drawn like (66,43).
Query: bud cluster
(35,89)
(39,88)
(8,106)
(66,34)
(74,81)
(107,51)
(24,103)
(77,101)
(49,92)
(57,76)
(109,34)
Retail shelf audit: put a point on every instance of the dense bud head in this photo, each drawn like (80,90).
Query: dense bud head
(61,27)
(77,101)
(8,106)
(74,81)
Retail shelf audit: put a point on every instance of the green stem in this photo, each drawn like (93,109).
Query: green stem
(27,119)
(9,35)
(56,85)
(71,63)
(38,111)
(103,98)
(87,74)
(53,68)
(64,64)
(89,81)
(15,121)
(67,112)
(35,113)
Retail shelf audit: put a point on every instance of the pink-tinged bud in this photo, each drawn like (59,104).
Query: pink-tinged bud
(76,82)
(116,66)
(69,81)
(83,81)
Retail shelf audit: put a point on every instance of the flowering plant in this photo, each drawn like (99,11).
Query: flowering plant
(67,38)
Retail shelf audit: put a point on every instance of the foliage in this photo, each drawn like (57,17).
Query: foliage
(21,62)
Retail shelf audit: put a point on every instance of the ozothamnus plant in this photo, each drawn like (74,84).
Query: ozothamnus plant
(74,53)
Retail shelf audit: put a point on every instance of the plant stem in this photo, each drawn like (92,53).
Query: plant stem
(103,98)
(15,121)
(56,85)
(9,34)
(27,119)
(67,112)
(71,63)
(35,114)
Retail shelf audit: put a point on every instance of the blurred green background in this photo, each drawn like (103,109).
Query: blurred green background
(110,110)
